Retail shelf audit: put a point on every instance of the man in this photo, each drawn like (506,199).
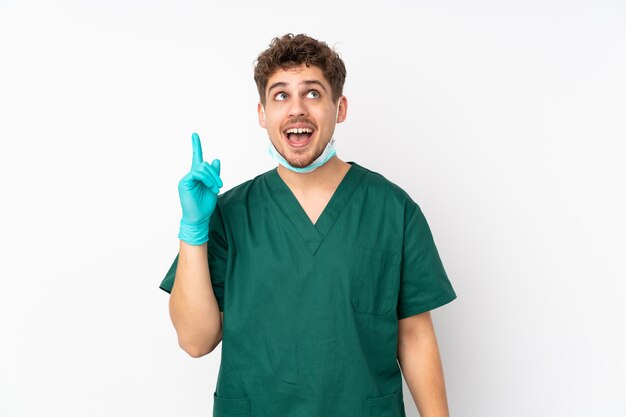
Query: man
(318,275)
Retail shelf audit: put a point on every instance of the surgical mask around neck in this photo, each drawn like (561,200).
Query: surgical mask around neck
(329,152)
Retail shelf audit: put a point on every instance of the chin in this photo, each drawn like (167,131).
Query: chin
(300,162)
(298,159)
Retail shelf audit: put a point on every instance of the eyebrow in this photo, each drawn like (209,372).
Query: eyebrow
(307,82)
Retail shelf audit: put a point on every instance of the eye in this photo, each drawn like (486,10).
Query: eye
(280,96)
(313,94)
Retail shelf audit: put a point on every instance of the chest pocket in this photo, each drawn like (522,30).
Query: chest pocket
(374,280)
(230,407)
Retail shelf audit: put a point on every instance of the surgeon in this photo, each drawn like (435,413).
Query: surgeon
(318,276)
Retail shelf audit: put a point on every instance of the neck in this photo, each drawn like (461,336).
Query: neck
(330,173)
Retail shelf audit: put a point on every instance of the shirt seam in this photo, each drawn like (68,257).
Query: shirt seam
(421,308)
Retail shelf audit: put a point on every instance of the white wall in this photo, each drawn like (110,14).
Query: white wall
(504,120)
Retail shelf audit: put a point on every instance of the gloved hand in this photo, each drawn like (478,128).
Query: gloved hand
(198,195)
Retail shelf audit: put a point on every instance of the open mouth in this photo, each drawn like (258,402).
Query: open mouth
(298,137)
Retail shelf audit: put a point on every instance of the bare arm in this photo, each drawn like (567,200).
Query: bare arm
(418,355)
(193,308)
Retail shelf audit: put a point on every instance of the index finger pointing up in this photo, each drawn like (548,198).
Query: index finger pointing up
(197,150)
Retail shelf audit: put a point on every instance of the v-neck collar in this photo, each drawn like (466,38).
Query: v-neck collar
(314,234)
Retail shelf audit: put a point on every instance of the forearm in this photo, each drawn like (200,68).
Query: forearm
(193,308)
(422,369)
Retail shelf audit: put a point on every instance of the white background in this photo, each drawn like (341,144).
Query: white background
(505,121)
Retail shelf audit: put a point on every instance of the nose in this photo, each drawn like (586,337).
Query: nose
(297,107)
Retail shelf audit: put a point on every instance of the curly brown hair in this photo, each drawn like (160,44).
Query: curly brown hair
(291,51)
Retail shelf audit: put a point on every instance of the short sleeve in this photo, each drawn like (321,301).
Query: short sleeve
(217,254)
(424,284)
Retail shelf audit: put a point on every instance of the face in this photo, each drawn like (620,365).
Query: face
(300,113)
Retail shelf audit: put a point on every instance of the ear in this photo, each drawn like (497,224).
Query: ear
(342,112)
(261,115)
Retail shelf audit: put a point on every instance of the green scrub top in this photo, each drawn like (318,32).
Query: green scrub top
(311,310)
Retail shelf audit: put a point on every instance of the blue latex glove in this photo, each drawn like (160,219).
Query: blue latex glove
(198,195)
